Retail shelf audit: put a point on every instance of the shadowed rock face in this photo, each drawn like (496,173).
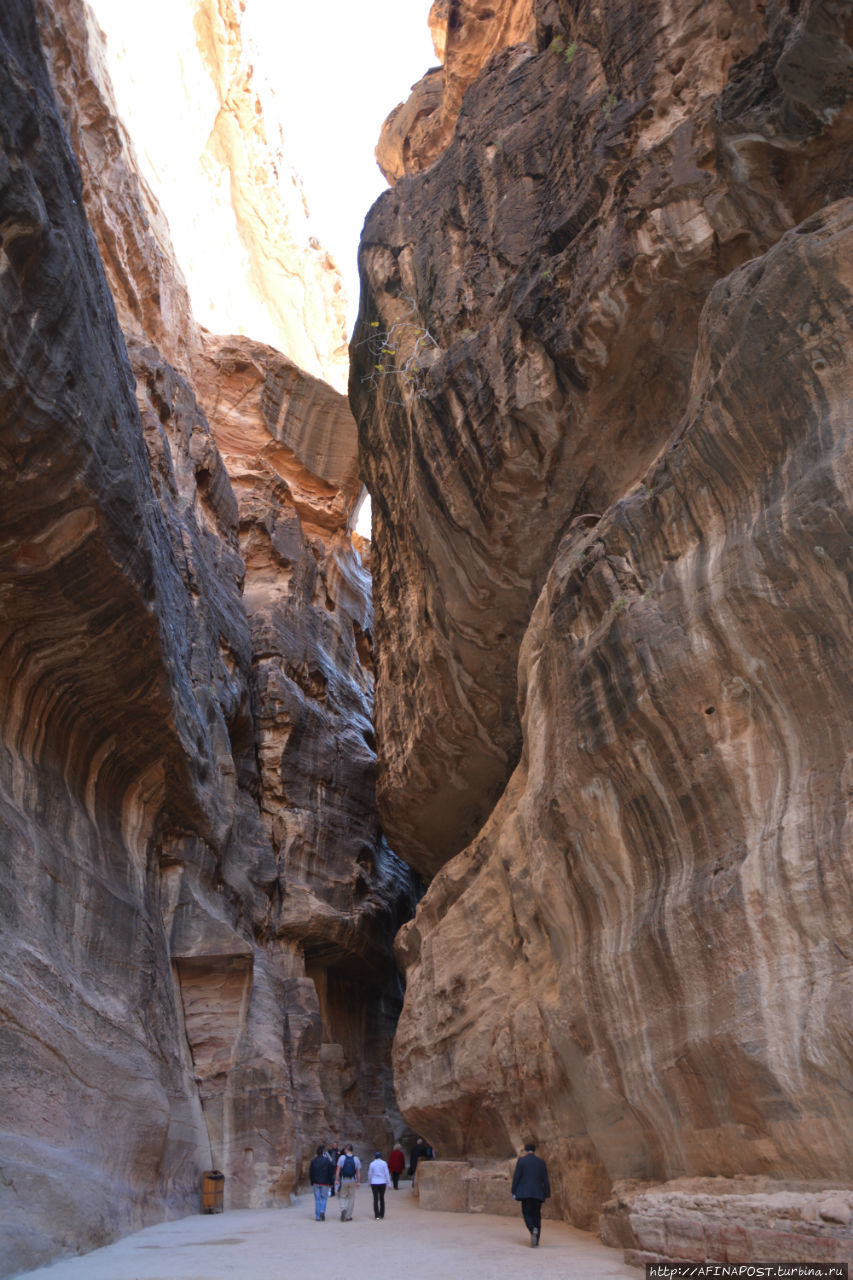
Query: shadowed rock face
(94,616)
(148,290)
(538,289)
(307,600)
(197,900)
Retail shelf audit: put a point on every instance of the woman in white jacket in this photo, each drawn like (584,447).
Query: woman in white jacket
(379,1178)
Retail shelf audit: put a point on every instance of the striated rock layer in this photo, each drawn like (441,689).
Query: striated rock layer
(536,292)
(602,377)
(197,900)
(133,238)
(734,1221)
(641,958)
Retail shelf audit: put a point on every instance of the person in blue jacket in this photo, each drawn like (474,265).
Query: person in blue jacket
(530,1185)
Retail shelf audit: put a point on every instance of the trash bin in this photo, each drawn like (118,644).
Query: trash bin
(212,1191)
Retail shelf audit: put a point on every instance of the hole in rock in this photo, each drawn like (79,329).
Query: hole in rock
(365,857)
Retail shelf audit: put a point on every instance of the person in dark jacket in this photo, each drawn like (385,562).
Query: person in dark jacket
(333,1153)
(420,1151)
(321,1173)
(530,1185)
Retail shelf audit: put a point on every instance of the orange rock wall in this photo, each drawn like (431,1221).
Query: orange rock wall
(541,288)
(465,34)
(611,489)
(208,153)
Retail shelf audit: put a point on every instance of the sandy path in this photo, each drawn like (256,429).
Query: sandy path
(287,1244)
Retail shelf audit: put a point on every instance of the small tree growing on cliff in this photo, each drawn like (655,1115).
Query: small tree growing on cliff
(565,50)
(407,341)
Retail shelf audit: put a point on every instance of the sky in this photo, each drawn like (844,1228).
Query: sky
(338,68)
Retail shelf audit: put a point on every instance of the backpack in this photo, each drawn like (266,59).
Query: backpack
(348,1169)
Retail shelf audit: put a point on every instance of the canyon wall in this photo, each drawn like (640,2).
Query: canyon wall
(186,80)
(602,377)
(198,902)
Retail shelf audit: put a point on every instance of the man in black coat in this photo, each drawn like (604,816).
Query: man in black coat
(321,1174)
(530,1185)
(420,1151)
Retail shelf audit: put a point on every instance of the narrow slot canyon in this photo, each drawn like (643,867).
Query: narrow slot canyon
(431,720)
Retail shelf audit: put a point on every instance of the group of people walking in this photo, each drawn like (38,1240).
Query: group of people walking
(335,1172)
(338,1172)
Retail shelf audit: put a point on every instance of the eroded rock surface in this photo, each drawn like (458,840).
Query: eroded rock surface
(198,903)
(147,286)
(289,445)
(731,1220)
(95,614)
(537,294)
(655,976)
(602,377)
(465,35)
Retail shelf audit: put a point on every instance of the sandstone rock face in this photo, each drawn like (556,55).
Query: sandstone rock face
(602,376)
(295,281)
(654,976)
(197,900)
(537,293)
(264,404)
(307,598)
(465,33)
(462,1186)
(730,1220)
(95,614)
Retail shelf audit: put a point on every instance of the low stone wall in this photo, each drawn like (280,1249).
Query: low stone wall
(742,1220)
(462,1186)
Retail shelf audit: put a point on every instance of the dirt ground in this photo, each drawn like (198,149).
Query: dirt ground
(287,1244)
